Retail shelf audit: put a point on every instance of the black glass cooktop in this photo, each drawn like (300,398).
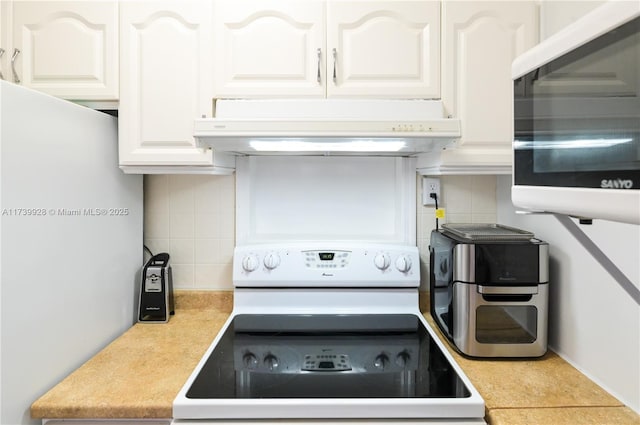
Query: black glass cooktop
(327,356)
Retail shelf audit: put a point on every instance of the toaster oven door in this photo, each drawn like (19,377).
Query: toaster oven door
(508,321)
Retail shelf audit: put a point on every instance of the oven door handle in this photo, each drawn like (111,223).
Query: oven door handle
(503,290)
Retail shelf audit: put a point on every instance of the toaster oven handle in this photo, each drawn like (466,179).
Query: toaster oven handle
(503,290)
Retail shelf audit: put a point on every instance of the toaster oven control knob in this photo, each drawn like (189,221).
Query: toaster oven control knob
(381,260)
(272,260)
(250,263)
(381,361)
(403,264)
(250,360)
(402,359)
(271,362)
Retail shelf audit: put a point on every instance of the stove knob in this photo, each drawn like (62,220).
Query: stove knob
(381,361)
(271,362)
(381,261)
(250,263)
(403,264)
(250,360)
(402,359)
(272,260)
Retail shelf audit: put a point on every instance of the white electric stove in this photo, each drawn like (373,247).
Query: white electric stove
(327,332)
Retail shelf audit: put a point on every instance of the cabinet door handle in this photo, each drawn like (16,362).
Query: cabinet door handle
(16,52)
(335,56)
(319,60)
(1,55)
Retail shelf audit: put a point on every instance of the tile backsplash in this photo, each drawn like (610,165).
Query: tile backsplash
(465,199)
(193,218)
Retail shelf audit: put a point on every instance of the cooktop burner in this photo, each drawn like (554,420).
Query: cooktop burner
(326,356)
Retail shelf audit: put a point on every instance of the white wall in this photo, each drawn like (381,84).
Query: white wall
(68,283)
(593,323)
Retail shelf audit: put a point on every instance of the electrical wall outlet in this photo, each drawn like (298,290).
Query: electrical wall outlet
(430,185)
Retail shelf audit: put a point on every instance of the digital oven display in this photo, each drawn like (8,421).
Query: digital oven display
(326,256)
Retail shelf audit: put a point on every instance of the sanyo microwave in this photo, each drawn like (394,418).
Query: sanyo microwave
(577,118)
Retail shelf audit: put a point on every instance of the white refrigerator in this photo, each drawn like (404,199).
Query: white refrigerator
(71,243)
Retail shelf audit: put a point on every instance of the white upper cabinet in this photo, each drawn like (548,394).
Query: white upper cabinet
(269,48)
(480,41)
(383,49)
(165,51)
(5,40)
(67,49)
(272,48)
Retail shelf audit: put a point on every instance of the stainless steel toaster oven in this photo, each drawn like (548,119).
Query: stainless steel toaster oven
(489,289)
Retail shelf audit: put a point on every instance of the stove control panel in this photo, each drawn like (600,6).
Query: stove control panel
(327,259)
(326,265)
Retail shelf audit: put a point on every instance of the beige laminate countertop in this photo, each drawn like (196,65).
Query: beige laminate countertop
(139,374)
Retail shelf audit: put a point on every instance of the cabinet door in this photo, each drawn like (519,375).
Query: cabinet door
(480,40)
(383,49)
(165,73)
(269,48)
(67,49)
(5,40)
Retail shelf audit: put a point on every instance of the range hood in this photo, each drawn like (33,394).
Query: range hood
(327,127)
